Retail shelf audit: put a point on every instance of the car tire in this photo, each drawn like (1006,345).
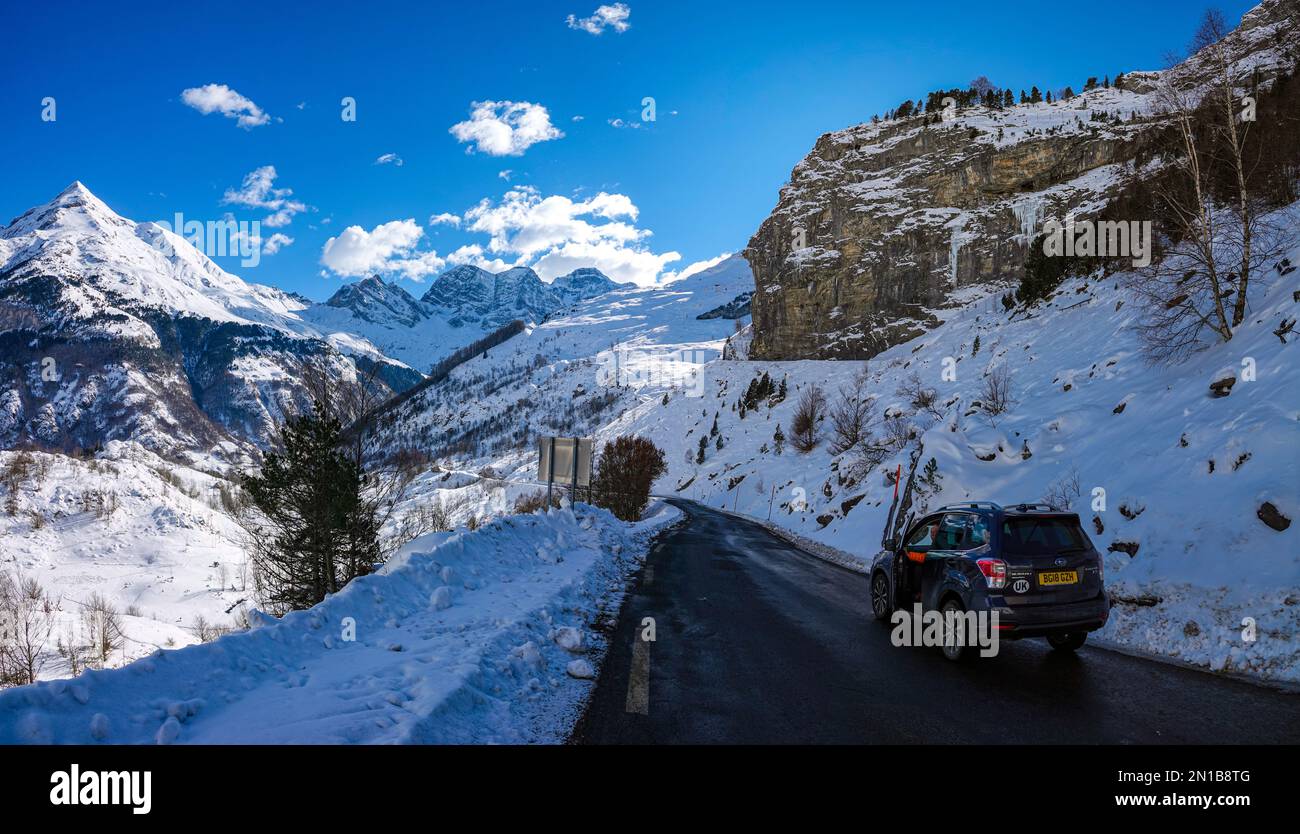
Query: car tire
(882,603)
(952,652)
(1067,642)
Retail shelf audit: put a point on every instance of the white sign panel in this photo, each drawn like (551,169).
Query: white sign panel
(559,466)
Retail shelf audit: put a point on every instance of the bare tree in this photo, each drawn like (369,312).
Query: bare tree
(805,431)
(996,393)
(103,627)
(1062,493)
(922,399)
(1218,244)
(73,652)
(852,415)
(27,615)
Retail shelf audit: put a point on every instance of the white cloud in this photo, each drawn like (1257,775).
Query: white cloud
(505,175)
(505,128)
(474,255)
(390,159)
(553,234)
(218,98)
(387,248)
(556,234)
(258,191)
(698,266)
(275,243)
(619,123)
(613,16)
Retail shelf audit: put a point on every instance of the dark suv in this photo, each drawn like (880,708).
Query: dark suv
(1031,564)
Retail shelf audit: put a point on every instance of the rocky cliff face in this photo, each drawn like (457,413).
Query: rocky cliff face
(881,223)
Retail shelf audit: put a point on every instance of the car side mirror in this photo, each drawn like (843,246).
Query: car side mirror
(891,544)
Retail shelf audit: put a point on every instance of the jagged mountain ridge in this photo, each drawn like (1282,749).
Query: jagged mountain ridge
(880,223)
(461,305)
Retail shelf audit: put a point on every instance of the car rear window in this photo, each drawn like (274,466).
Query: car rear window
(1037,536)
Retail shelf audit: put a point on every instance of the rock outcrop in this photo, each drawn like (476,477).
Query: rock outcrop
(882,223)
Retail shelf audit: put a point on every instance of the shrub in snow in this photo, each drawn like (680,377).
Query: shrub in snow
(627,470)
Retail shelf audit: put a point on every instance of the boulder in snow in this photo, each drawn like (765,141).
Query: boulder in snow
(568,638)
(1270,515)
(580,669)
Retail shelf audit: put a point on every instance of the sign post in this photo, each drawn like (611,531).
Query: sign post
(564,460)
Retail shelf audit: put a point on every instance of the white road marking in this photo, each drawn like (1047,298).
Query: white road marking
(638,680)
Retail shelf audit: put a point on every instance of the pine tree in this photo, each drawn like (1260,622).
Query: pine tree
(778,439)
(316,533)
(704,442)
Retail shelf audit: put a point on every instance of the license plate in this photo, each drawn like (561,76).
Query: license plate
(1058,577)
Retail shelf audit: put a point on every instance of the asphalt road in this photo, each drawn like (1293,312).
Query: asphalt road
(757,641)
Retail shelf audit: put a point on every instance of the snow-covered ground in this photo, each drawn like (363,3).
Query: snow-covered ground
(147,535)
(1203,555)
(1183,474)
(483,636)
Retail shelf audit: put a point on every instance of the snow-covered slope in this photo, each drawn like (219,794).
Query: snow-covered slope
(118,261)
(481,636)
(572,373)
(1172,480)
(1184,474)
(114,330)
(882,220)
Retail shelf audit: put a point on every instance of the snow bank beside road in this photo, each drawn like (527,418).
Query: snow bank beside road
(464,637)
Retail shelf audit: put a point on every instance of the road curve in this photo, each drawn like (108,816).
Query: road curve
(757,641)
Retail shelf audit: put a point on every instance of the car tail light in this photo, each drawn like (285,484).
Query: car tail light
(995,572)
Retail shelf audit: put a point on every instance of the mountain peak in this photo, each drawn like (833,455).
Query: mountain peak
(75,200)
(375,300)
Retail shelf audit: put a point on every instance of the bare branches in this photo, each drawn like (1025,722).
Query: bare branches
(919,397)
(27,615)
(852,416)
(996,393)
(805,428)
(1062,493)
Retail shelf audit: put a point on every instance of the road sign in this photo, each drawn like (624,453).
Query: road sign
(558,463)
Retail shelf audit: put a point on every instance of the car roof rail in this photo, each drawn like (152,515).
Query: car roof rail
(1035,507)
(970,505)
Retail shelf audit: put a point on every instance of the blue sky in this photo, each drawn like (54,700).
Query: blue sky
(741,90)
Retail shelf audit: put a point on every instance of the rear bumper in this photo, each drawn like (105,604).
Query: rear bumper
(1041,620)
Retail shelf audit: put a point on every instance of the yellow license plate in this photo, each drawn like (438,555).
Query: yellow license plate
(1058,577)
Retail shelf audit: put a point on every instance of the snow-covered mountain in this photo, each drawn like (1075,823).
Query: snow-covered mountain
(378,302)
(120,330)
(470,295)
(460,306)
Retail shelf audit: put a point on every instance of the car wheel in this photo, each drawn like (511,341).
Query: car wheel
(881,605)
(952,650)
(1067,642)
